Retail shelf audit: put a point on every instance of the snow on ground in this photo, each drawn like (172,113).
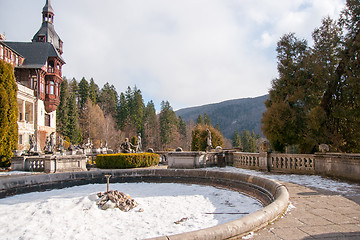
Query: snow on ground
(312,181)
(72,213)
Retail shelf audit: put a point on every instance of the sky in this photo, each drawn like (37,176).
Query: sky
(187,52)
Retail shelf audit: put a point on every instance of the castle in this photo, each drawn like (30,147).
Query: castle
(37,67)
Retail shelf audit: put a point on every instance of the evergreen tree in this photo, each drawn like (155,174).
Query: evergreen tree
(316,99)
(207,120)
(200,120)
(73,128)
(248,142)
(150,126)
(8,113)
(83,93)
(137,110)
(122,112)
(283,121)
(236,140)
(74,88)
(94,91)
(62,118)
(349,108)
(168,124)
(108,99)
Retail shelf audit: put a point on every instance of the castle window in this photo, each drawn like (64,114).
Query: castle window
(20,139)
(47,120)
(41,87)
(52,87)
(42,39)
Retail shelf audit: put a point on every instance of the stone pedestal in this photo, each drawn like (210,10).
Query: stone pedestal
(186,159)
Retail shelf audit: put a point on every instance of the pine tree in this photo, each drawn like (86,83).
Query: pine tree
(236,141)
(62,118)
(73,128)
(151,126)
(207,120)
(168,124)
(200,120)
(83,93)
(137,110)
(8,113)
(108,100)
(248,142)
(122,112)
(94,91)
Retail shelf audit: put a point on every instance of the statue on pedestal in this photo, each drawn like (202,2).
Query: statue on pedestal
(138,147)
(208,141)
(32,143)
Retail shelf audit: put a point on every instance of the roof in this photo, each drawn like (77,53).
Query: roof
(36,54)
(47,29)
(3,43)
(48,8)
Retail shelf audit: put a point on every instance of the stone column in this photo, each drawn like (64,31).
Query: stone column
(23,109)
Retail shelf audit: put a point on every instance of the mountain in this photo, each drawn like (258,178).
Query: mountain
(239,114)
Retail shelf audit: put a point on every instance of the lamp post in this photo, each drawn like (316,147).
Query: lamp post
(108,181)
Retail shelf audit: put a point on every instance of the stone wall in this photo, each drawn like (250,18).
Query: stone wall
(346,166)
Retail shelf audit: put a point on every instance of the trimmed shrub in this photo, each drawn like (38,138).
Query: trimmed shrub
(126,160)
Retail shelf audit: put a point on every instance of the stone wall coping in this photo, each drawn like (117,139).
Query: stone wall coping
(186,153)
(273,194)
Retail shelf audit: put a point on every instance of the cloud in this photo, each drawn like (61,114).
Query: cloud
(185,51)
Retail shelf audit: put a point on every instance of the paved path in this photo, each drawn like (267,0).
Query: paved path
(317,214)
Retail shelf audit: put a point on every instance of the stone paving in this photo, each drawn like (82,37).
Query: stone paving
(316,214)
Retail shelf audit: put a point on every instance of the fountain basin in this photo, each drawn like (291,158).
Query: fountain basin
(272,194)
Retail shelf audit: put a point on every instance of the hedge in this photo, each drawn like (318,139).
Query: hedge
(126,160)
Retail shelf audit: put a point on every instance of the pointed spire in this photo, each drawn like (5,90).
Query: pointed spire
(48,13)
(48,8)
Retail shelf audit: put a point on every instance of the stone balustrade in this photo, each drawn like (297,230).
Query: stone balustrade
(339,165)
(293,163)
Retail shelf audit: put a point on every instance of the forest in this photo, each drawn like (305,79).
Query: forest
(106,118)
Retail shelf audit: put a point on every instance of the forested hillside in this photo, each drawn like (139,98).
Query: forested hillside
(230,116)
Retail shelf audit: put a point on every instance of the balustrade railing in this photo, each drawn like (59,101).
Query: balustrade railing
(249,160)
(291,163)
(36,165)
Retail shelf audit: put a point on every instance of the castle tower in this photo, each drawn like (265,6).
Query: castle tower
(47,31)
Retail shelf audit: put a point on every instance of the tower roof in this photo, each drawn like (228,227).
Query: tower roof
(47,31)
(48,8)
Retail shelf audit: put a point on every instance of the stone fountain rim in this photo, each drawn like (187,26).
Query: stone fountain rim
(271,193)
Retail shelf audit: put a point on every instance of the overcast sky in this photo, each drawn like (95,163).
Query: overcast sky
(189,52)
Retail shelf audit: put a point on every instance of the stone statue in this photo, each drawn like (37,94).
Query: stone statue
(89,144)
(47,144)
(32,143)
(208,140)
(52,142)
(138,147)
(126,146)
(324,148)
(60,143)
